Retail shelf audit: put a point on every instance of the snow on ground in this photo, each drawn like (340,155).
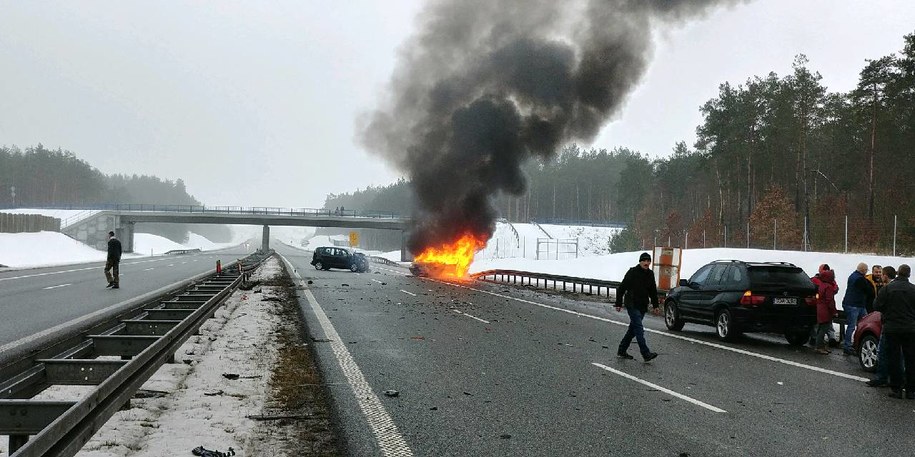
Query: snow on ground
(42,249)
(194,404)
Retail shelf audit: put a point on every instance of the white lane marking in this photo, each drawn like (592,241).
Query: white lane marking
(170,265)
(389,439)
(55,287)
(468,315)
(72,270)
(149,269)
(408,293)
(375,280)
(671,335)
(662,389)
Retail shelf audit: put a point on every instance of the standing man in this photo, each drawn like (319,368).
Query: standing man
(897,303)
(875,277)
(883,359)
(637,289)
(858,297)
(114,258)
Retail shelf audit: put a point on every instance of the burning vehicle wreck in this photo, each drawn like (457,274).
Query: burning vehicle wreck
(448,261)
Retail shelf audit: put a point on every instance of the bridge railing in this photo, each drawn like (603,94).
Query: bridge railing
(253,210)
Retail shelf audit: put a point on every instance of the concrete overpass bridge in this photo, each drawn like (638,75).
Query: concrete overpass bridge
(92,224)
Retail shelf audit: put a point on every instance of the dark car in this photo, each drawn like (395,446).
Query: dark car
(866,337)
(736,296)
(325,258)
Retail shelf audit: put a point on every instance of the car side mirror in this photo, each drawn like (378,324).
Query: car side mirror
(684,282)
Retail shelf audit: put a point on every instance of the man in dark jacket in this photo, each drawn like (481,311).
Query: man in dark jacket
(636,291)
(897,303)
(114,259)
(859,296)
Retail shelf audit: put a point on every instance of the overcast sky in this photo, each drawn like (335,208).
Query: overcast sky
(255,103)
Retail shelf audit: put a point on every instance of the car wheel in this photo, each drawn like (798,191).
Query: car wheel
(672,316)
(724,325)
(867,354)
(354,268)
(797,338)
(319,265)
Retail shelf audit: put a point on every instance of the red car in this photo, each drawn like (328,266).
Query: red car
(866,337)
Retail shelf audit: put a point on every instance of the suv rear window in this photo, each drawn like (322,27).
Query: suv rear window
(781,276)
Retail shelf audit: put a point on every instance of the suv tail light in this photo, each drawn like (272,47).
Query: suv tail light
(749,299)
(811,301)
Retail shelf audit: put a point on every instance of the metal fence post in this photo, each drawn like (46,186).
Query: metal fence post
(774,233)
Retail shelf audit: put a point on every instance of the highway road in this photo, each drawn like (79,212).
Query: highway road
(38,299)
(483,369)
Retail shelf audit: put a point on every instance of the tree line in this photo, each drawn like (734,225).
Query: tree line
(779,161)
(41,177)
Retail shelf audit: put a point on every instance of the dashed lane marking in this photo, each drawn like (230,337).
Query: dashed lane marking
(408,293)
(57,287)
(375,280)
(662,389)
(468,315)
(389,438)
(72,270)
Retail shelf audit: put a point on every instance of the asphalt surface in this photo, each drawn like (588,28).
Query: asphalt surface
(484,369)
(33,300)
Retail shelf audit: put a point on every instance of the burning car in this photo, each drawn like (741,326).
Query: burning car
(448,261)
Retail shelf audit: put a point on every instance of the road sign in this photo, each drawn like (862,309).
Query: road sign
(353,239)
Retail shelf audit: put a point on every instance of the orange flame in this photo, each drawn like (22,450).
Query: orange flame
(451,261)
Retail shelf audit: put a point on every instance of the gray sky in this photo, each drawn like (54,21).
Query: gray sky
(255,103)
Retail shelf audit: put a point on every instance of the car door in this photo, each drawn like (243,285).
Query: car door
(690,297)
(340,258)
(709,291)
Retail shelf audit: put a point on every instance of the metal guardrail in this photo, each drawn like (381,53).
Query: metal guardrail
(544,281)
(181,251)
(144,341)
(383,260)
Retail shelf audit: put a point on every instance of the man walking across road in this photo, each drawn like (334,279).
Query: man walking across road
(859,294)
(636,291)
(114,259)
(897,303)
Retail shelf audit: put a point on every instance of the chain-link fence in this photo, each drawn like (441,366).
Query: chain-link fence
(883,236)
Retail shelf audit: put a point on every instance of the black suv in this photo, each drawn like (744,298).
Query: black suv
(326,258)
(736,296)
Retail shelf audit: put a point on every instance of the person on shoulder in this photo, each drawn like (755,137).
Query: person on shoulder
(826,307)
(830,329)
(882,377)
(875,277)
(897,303)
(859,296)
(113,261)
(635,292)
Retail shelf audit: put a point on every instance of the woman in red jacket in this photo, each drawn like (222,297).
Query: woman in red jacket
(826,306)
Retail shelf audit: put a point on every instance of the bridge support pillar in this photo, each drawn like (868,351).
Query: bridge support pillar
(405,255)
(125,232)
(265,241)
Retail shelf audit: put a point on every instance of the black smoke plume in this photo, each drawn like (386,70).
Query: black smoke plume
(487,84)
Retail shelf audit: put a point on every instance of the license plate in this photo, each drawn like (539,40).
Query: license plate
(784,301)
